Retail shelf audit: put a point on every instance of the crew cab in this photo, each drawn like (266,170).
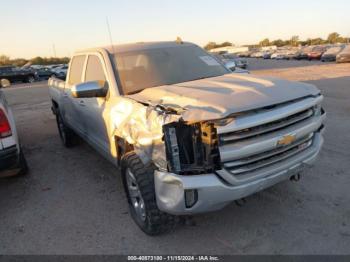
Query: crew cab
(189,135)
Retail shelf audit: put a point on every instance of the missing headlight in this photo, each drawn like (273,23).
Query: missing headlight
(191,149)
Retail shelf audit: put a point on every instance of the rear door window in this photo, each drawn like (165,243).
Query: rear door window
(76,69)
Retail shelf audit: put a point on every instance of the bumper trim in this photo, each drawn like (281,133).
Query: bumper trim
(214,193)
(9,160)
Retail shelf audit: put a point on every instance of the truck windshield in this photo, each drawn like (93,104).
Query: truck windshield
(143,69)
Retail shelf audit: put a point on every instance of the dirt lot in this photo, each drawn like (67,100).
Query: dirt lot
(72,201)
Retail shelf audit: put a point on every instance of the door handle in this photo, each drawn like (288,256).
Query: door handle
(65,95)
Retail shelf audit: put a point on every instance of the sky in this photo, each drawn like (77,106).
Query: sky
(31,28)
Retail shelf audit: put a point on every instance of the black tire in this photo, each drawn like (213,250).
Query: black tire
(154,222)
(22,164)
(68,137)
(31,79)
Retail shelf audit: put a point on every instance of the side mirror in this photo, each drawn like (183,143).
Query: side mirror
(231,65)
(90,89)
(5,83)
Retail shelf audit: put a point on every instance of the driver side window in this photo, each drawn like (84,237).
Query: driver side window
(94,69)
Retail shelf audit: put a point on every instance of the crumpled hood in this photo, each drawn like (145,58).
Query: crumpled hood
(218,97)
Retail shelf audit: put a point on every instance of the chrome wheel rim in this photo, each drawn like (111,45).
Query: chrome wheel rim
(135,195)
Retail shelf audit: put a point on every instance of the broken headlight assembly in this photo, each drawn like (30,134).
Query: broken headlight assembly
(191,149)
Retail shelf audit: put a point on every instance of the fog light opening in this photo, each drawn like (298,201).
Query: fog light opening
(295,178)
(191,197)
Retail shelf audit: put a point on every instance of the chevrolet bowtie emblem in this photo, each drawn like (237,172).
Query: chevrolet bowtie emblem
(286,140)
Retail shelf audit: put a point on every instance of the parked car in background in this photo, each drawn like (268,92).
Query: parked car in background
(316,53)
(291,53)
(15,74)
(44,73)
(331,54)
(60,72)
(240,62)
(303,53)
(344,55)
(258,54)
(267,55)
(279,55)
(230,64)
(36,67)
(12,160)
(244,54)
(189,135)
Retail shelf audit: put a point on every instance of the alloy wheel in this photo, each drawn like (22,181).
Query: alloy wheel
(135,195)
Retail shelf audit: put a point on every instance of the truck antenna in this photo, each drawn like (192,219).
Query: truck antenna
(109,33)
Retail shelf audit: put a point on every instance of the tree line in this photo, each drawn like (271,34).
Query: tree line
(332,38)
(5,60)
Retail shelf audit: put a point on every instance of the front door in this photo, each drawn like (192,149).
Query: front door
(93,110)
(72,107)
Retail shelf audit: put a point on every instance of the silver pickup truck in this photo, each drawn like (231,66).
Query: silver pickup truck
(188,135)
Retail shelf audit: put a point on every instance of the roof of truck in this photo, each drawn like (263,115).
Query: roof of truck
(138,46)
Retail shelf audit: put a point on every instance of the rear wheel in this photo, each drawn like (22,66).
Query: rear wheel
(139,187)
(68,137)
(30,79)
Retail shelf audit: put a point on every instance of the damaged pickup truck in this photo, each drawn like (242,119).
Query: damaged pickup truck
(189,135)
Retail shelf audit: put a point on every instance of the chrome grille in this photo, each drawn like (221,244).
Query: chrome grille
(258,144)
(232,137)
(255,162)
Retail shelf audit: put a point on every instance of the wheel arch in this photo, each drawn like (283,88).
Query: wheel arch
(122,148)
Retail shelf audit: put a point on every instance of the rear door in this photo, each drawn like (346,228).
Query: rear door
(72,107)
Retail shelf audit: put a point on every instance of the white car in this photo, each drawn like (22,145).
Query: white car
(12,161)
(278,56)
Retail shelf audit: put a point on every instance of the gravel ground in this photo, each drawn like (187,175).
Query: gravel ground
(72,201)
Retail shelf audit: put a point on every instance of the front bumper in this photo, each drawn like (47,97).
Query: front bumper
(9,162)
(214,193)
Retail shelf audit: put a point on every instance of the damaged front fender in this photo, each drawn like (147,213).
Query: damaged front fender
(142,126)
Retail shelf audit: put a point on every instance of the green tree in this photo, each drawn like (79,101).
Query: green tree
(265,42)
(210,45)
(333,38)
(225,44)
(37,60)
(278,42)
(294,41)
(19,62)
(4,60)
(317,41)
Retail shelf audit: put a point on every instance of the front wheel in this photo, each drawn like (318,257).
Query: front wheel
(139,187)
(4,83)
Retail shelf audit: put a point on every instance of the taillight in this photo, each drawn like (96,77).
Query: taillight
(5,129)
